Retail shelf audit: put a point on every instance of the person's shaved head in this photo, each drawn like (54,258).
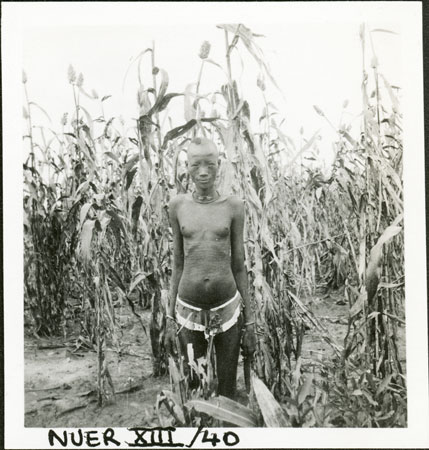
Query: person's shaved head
(203,163)
(202,146)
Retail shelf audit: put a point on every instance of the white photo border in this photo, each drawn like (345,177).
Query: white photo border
(17,15)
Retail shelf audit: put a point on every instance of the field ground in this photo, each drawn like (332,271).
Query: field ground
(59,383)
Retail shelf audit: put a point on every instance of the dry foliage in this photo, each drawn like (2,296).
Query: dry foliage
(97,236)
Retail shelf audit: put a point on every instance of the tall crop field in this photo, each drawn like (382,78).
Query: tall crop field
(97,236)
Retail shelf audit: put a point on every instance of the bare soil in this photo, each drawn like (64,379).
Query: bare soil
(60,383)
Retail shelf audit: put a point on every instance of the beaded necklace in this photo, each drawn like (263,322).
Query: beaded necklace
(205,198)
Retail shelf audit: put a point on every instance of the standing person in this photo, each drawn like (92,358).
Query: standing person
(208,294)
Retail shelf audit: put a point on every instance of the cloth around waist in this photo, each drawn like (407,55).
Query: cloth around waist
(212,320)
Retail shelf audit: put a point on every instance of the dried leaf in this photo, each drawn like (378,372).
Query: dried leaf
(190,111)
(41,109)
(383,31)
(358,304)
(319,111)
(182,129)
(137,279)
(225,409)
(215,64)
(174,402)
(306,146)
(163,103)
(129,178)
(373,271)
(131,163)
(272,412)
(175,378)
(136,210)
(305,389)
(112,156)
(384,384)
(86,238)
(83,212)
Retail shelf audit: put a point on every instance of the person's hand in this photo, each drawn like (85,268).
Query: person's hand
(249,341)
(170,337)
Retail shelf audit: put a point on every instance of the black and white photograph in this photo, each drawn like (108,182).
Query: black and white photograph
(214,222)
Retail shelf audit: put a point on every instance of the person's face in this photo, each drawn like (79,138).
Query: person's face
(203,164)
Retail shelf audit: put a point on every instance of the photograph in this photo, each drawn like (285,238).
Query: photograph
(216,215)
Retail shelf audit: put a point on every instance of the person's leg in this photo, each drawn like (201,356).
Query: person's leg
(199,348)
(227,345)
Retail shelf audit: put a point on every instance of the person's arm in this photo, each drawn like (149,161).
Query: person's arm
(238,256)
(177,267)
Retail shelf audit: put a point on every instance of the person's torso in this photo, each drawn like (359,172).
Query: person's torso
(207,278)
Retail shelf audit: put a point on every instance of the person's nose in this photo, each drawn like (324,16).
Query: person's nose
(203,172)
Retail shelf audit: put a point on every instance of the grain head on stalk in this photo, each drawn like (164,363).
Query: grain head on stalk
(204,50)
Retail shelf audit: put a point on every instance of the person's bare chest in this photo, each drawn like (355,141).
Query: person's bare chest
(205,221)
